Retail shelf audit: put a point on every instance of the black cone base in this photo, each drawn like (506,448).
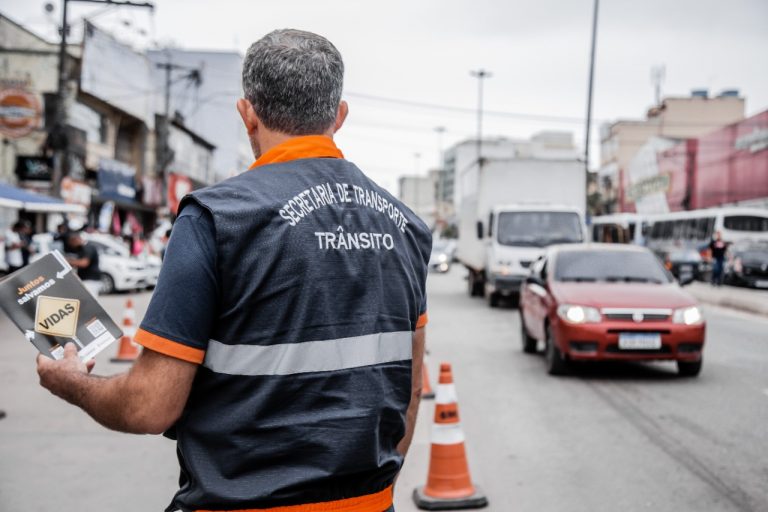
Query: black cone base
(424,502)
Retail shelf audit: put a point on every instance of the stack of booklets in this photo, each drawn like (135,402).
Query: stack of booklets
(49,304)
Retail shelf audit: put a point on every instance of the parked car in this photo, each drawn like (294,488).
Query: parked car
(602,302)
(443,252)
(747,264)
(119,271)
(686,265)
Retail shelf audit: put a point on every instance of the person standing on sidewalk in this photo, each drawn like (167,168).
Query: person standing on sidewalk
(284,341)
(85,258)
(717,248)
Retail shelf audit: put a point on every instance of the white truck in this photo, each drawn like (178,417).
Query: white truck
(510,210)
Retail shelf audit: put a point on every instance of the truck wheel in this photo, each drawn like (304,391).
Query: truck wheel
(689,368)
(556,363)
(529,343)
(475,284)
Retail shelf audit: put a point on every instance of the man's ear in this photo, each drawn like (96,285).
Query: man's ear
(341,115)
(248,115)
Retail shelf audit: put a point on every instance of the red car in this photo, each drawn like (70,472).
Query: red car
(605,302)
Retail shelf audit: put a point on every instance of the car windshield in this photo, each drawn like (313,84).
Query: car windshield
(609,266)
(538,229)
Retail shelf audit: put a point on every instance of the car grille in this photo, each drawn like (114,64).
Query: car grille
(637,315)
(614,349)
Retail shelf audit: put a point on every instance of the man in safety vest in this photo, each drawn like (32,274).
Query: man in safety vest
(284,341)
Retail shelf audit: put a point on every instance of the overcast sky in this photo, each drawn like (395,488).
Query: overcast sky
(421,52)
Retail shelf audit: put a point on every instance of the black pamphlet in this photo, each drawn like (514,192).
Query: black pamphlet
(49,304)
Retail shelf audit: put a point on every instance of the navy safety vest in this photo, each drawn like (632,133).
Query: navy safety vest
(301,397)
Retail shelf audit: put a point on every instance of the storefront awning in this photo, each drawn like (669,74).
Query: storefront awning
(14,197)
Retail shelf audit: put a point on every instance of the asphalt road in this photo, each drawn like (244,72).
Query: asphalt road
(619,437)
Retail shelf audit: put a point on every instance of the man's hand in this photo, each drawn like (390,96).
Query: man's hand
(56,375)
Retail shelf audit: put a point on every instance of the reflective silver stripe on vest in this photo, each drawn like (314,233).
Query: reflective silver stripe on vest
(308,356)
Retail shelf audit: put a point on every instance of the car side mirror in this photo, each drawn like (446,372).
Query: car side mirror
(685,280)
(532,279)
(480,230)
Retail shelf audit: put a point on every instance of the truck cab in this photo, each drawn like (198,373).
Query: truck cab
(515,236)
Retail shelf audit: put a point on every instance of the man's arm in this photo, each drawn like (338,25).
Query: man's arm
(416,385)
(147,399)
(79,263)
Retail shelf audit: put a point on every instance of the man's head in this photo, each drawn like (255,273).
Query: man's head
(75,240)
(292,82)
(718,235)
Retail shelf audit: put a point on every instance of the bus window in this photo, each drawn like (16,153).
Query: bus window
(745,223)
(690,229)
(667,229)
(595,233)
(631,236)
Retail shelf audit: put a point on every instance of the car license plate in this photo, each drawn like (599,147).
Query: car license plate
(639,341)
(686,268)
(761,284)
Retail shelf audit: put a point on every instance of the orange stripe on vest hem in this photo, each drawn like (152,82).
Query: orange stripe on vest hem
(377,502)
(169,347)
(307,146)
(423,319)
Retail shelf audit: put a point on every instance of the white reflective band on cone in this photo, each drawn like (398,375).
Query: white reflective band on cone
(450,433)
(129,331)
(129,315)
(309,356)
(446,394)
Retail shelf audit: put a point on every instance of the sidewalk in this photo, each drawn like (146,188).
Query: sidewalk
(743,299)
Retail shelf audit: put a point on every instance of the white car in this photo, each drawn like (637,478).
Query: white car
(119,271)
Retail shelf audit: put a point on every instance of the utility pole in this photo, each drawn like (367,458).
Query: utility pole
(59,139)
(440,190)
(589,89)
(480,74)
(657,77)
(165,154)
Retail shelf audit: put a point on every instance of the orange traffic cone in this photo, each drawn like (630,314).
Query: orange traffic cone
(426,388)
(127,352)
(449,486)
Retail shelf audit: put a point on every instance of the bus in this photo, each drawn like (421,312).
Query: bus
(695,228)
(621,228)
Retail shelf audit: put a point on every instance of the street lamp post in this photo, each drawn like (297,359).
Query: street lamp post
(480,74)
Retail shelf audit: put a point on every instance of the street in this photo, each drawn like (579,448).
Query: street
(618,437)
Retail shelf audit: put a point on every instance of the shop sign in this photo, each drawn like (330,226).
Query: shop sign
(75,192)
(648,186)
(117,180)
(178,187)
(20,112)
(34,168)
(755,141)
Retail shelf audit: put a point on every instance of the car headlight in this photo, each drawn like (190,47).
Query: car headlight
(688,316)
(442,258)
(578,314)
(738,267)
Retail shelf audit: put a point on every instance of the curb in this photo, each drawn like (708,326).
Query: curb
(756,305)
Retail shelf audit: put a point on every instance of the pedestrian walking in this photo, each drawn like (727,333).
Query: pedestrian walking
(717,248)
(284,341)
(14,243)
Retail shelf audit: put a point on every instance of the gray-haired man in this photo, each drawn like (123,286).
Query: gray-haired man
(284,341)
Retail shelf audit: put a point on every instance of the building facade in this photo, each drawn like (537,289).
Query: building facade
(676,118)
